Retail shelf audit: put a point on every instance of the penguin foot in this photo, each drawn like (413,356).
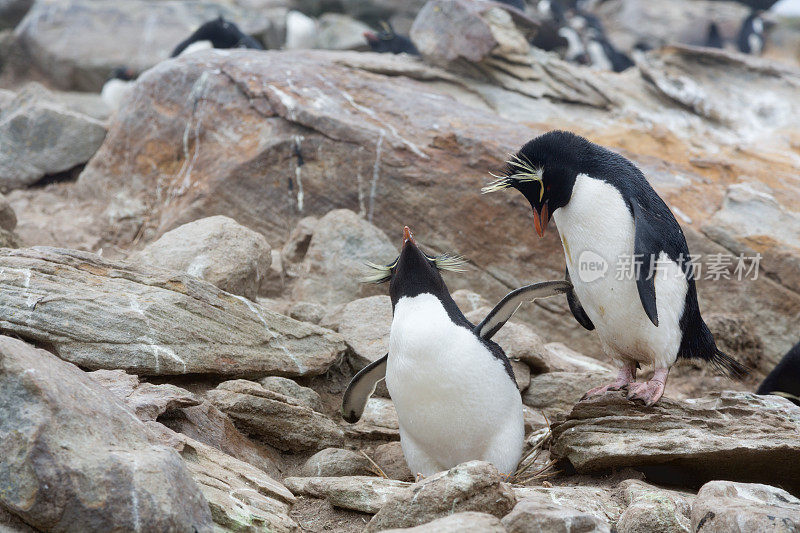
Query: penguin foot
(651,391)
(617,385)
(626,374)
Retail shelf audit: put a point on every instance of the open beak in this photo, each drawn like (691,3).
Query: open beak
(540,219)
(408,236)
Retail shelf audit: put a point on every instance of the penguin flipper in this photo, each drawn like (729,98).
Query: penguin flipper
(646,248)
(506,308)
(576,307)
(361,388)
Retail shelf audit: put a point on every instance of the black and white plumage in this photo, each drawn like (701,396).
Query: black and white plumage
(751,34)
(610,221)
(118,87)
(387,41)
(217,33)
(784,380)
(713,37)
(453,388)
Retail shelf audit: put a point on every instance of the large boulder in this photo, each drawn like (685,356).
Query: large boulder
(294,117)
(471,486)
(335,462)
(40,138)
(528,515)
(729,435)
(105,314)
(464,522)
(555,393)
(216,249)
(725,506)
(8,219)
(143,33)
(75,458)
(365,325)
(279,420)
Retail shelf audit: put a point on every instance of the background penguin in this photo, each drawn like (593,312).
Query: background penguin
(607,215)
(217,33)
(713,37)
(386,41)
(751,34)
(784,379)
(118,87)
(452,387)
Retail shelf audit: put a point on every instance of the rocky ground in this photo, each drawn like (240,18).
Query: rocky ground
(180,306)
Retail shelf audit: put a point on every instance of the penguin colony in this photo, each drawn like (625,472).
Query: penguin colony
(453,388)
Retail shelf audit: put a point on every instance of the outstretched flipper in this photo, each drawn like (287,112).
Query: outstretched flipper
(646,247)
(576,307)
(504,310)
(361,388)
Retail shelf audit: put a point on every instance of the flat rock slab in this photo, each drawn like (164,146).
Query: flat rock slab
(728,435)
(74,454)
(366,494)
(103,314)
(727,507)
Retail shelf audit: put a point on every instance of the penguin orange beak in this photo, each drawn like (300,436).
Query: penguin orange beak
(540,219)
(408,236)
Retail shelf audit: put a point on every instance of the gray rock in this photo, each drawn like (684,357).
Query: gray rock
(730,434)
(555,393)
(307,312)
(452,34)
(278,420)
(335,462)
(340,32)
(216,249)
(40,138)
(358,493)
(469,522)
(296,247)
(241,497)
(144,33)
(598,502)
(390,458)
(529,515)
(730,507)
(365,325)
(209,425)
(8,219)
(146,400)
(305,395)
(522,374)
(472,486)
(74,455)
(379,421)
(150,321)
(561,358)
(8,239)
(469,301)
(334,262)
(651,509)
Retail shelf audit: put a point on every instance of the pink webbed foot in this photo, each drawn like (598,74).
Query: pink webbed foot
(626,374)
(651,391)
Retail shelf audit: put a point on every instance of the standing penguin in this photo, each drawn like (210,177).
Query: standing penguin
(626,256)
(784,380)
(452,387)
(751,34)
(217,33)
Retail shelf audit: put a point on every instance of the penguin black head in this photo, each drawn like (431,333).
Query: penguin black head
(387,41)
(414,272)
(544,171)
(123,73)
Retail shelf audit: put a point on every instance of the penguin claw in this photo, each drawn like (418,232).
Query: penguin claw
(648,392)
(605,388)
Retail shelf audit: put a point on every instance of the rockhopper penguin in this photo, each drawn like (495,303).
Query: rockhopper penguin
(626,257)
(784,380)
(217,33)
(452,387)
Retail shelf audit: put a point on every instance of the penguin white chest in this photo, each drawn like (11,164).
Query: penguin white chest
(455,401)
(597,231)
